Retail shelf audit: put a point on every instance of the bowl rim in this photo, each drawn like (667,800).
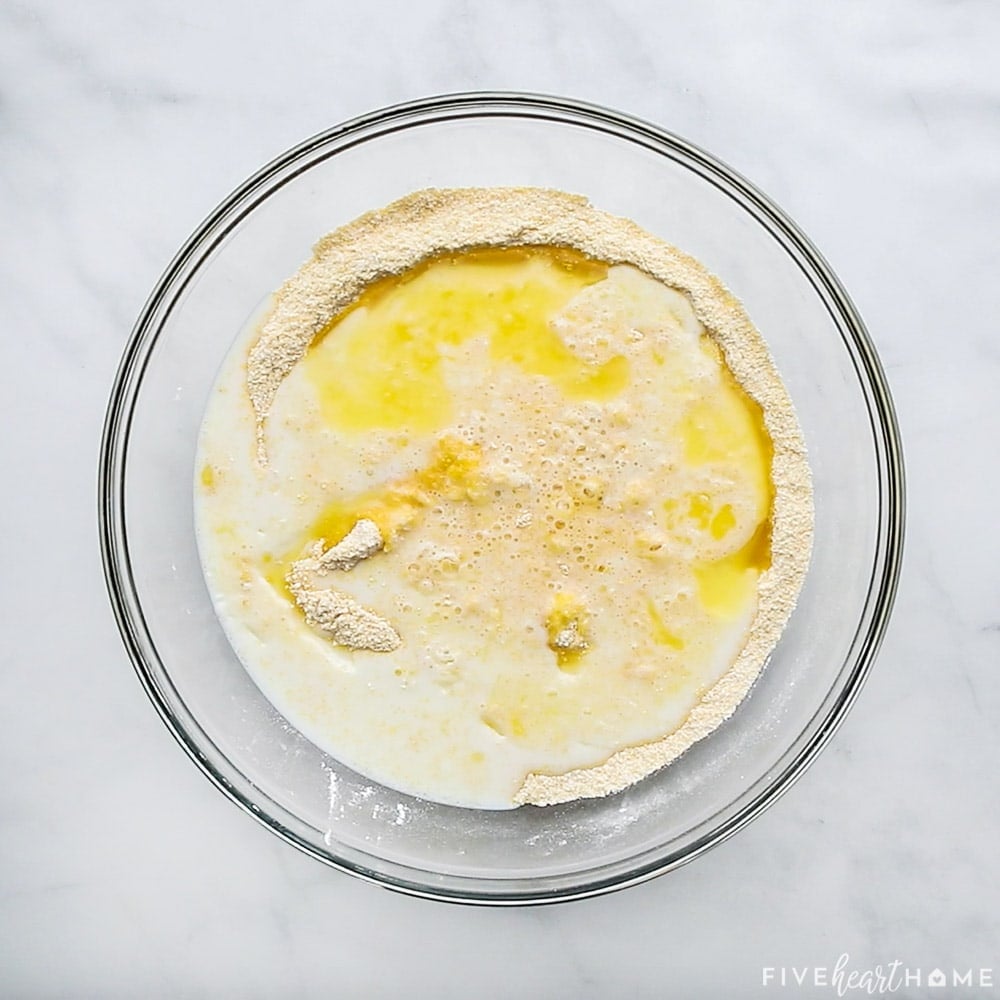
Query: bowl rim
(244,199)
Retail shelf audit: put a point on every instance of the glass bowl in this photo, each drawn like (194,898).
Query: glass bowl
(256,239)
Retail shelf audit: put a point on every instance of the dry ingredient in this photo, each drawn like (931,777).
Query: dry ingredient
(343,619)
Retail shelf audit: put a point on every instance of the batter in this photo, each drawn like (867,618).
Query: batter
(502,523)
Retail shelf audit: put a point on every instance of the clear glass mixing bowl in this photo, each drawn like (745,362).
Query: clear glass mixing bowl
(257,238)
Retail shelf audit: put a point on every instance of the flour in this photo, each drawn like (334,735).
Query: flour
(340,617)
(569,638)
(362,541)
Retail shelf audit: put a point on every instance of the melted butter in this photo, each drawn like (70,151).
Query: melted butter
(567,615)
(662,635)
(381,364)
(726,586)
(275,571)
(725,425)
(722,522)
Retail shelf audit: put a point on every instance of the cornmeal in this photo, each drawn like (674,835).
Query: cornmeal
(502,501)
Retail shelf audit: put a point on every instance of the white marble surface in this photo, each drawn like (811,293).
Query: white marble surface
(122,871)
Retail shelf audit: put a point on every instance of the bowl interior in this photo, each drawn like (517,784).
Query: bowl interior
(254,242)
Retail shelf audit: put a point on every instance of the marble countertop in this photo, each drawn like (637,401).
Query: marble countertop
(122,871)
